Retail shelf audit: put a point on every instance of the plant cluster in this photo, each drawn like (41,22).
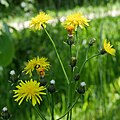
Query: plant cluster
(32,89)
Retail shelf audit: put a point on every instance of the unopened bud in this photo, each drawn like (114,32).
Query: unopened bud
(51,87)
(92,41)
(5,115)
(13,77)
(77,77)
(70,40)
(81,89)
(73,61)
(43,81)
(102,51)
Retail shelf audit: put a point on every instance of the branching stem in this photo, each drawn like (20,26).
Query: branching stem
(69,108)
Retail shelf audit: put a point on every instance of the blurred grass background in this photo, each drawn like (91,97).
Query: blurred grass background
(101,74)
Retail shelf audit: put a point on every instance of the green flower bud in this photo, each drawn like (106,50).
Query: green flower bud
(43,81)
(73,61)
(51,87)
(102,51)
(92,41)
(77,77)
(70,40)
(5,115)
(81,89)
(13,77)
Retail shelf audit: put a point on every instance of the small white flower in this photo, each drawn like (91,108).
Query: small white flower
(83,84)
(52,82)
(4,109)
(12,72)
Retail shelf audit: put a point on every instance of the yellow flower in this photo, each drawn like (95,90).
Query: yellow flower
(29,90)
(35,64)
(40,20)
(108,48)
(76,20)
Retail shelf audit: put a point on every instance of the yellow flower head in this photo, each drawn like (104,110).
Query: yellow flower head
(76,20)
(29,90)
(40,20)
(108,48)
(35,64)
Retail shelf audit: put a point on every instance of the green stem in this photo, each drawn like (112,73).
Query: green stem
(76,40)
(70,88)
(39,113)
(86,56)
(87,59)
(69,108)
(71,95)
(52,106)
(87,52)
(48,100)
(57,55)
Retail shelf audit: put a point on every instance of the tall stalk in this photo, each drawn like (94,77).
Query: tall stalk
(70,95)
(101,72)
(58,56)
(52,106)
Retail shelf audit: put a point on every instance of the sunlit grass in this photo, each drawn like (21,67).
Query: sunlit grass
(86,10)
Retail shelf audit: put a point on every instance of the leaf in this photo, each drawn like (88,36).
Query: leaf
(6,47)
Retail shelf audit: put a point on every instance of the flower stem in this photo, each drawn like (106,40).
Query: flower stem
(69,108)
(39,113)
(52,106)
(57,55)
(76,40)
(48,100)
(70,95)
(87,59)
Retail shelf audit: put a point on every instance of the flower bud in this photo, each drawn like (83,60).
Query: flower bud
(43,81)
(81,88)
(5,115)
(70,39)
(73,61)
(102,51)
(13,77)
(77,77)
(92,41)
(51,87)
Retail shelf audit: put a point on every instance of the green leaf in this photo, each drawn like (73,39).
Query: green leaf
(6,47)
